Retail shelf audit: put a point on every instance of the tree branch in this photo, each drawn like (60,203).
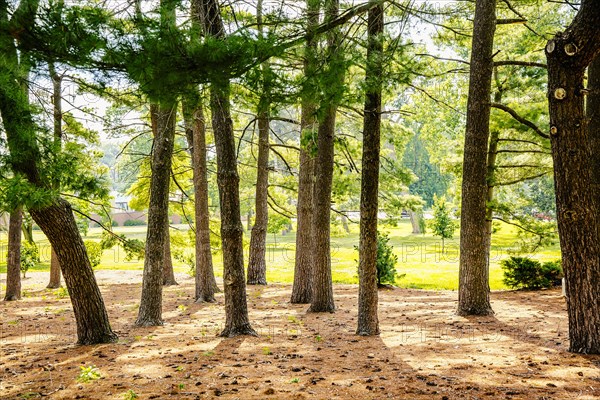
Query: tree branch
(522,120)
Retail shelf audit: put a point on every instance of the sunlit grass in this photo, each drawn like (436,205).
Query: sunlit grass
(420,257)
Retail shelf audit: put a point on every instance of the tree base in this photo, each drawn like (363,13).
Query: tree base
(301,300)
(205,299)
(53,286)
(170,282)
(367,332)
(480,312)
(144,322)
(12,298)
(258,282)
(244,330)
(321,308)
(98,339)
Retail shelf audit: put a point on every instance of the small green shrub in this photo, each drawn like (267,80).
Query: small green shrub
(134,222)
(524,272)
(386,261)
(88,374)
(94,251)
(30,256)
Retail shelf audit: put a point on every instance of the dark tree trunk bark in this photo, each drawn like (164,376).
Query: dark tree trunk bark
(236,308)
(568,55)
(55,274)
(368,322)
(59,225)
(13,260)
(257,267)
(474,291)
(168,273)
(56,219)
(322,294)
(593,115)
(150,312)
(303,267)
(491,185)
(206,285)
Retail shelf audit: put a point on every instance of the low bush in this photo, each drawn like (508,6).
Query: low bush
(134,222)
(526,273)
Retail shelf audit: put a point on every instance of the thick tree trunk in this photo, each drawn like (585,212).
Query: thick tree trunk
(568,55)
(58,223)
(303,267)
(593,115)
(13,260)
(236,307)
(150,312)
(322,294)
(56,219)
(55,273)
(57,117)
(474,291)
(368,322)
(257,267)
(206,285)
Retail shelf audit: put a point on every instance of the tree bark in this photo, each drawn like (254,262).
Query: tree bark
(150,312)
(257,267)
(13,260)
(206,285)
(55,274)
(368,322)
(474,291)
(168,273)
(236,308)
(568,55)
(322,294)
(303,267)
(55,216)
(593,115)
(414,222)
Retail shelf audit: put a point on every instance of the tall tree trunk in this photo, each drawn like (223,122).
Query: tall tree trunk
(368,322)
(206,285)
(303,267)
(414,222)
(150,312)
(474,290)
(236,307)
(55,218)
(27,229)
(568,55)
(168,273)
(257,268)
(593,115)
(57,116)
(491,185)
(13,260)
(322,294)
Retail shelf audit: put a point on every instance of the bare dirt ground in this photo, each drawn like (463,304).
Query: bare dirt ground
(425,351)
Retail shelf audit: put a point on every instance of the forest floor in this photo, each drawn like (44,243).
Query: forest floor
(424,351)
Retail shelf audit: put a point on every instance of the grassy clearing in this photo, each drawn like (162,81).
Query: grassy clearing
(420,257)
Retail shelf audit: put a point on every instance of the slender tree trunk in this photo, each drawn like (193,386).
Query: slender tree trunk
(303,267)
(55,219)
(27,230)
(206,285)
(55,273)
(150,312)
(236,308)
(414,222)
(168,273)
(368,322)
(257,268)
(13,260)
(568,55)
(58,223)
(491,184)
(474,291)
(322,294)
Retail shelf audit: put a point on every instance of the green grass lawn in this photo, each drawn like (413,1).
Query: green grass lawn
(420,257)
